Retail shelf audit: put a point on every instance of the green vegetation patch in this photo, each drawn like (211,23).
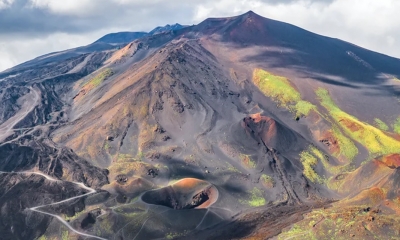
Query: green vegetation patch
(303,108)
(125,167)
(296,232)
(175,235)
(231,168)
(125,158)
(256,198)
(373,139)
(267,181)
(276,87)
(309,162)
(282,92)
(324,160)
(99,78)
(340,222)
(334,170)
(310,159)
(347,148)
(65,235)
(72,218)
(381,124)
(396,125)
(247,161)
(318,153)
(106,145)
(140,156)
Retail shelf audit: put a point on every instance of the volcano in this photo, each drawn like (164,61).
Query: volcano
(235,128)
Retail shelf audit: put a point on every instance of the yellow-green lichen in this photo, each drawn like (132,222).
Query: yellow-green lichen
(231,168)
(347,148)
(341,223)
(296,232)
(267,181)
(282,92)
(125,158)
(247,161)
(334,170)
(309,162)
(99,78)
(256,198)
(140,156)
(381,124)
(77,214)
(396,125)
(373,139)
(303,108)
(174,235)
(106,145)
(65,235)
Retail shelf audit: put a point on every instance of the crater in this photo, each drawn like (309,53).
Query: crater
(187,193)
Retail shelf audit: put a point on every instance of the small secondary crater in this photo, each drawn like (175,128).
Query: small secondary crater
(187,193)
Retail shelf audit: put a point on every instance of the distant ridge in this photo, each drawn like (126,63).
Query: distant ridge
(125,37)
(121,37)
(167,27)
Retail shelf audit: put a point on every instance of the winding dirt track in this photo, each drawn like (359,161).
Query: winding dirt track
(36,209)
(7,127)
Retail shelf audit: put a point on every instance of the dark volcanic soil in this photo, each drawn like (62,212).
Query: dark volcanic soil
(19,192)
(179,142)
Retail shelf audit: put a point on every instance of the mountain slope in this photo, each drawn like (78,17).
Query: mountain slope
(121,37)
(219,130)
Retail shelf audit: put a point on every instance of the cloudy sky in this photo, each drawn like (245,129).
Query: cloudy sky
(29,28)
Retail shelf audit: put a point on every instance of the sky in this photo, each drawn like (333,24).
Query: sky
(30,28)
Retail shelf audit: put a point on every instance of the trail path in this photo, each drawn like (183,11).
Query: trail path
(36,209)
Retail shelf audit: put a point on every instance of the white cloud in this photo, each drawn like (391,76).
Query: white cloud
(5,3)
(390,41)
(85,8)
(202,12)
(70,7)
(14,51)
(6,61)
